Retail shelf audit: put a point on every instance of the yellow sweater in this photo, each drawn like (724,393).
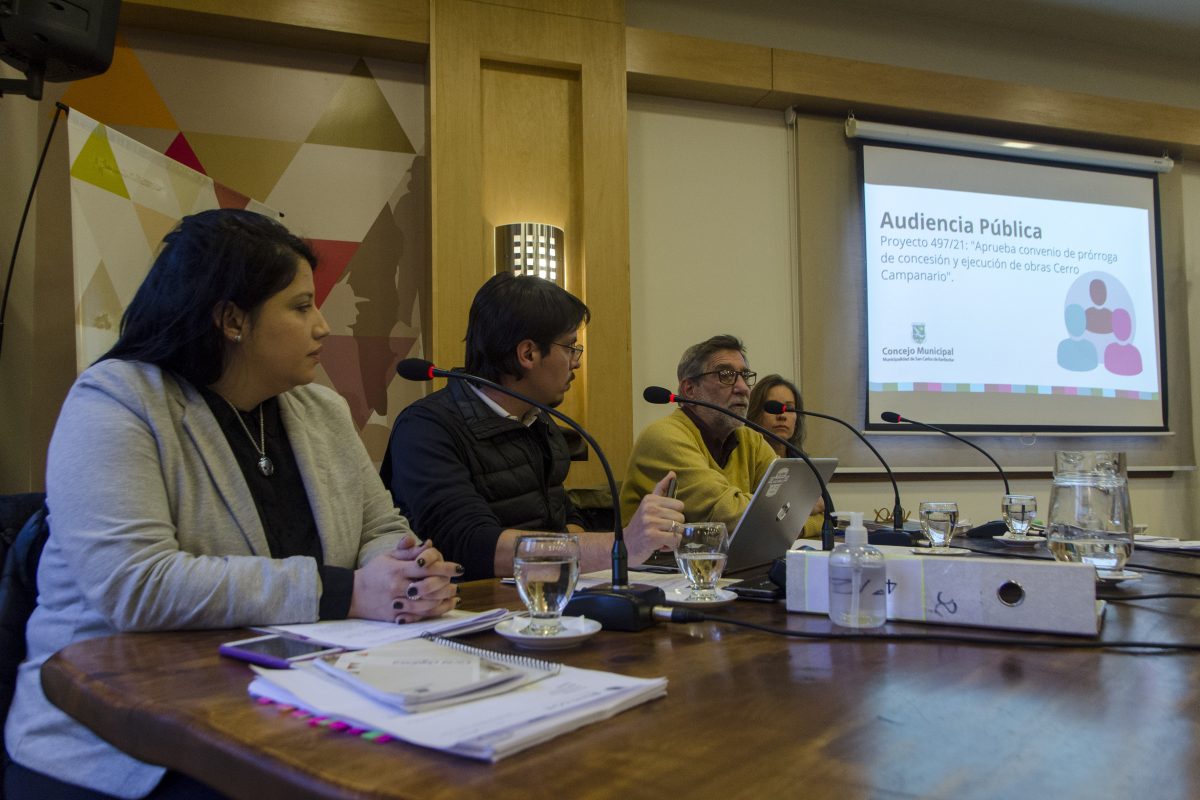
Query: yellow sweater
(709,492)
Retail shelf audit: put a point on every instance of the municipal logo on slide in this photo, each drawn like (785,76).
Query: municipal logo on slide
(918,329)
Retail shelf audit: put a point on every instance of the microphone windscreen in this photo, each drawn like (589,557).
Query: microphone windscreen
(415,369)
(776,407)
(890,416)
(658,395)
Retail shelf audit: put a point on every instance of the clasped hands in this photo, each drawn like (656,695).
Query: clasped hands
(407,584)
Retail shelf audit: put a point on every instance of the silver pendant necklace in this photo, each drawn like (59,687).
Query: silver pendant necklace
(265,465)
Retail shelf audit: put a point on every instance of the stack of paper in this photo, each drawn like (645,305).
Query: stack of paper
(487,729)
(1164,543)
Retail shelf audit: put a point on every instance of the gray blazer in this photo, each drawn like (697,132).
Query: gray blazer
(153,528)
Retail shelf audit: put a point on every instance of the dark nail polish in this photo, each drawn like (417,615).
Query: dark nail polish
(413,592)
(398,605)
(458,568)
(400,620)
(420,562)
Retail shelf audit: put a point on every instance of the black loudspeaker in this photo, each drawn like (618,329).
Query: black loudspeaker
(56,40)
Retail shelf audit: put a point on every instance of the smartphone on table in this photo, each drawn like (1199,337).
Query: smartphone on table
(273,650)
(763,589)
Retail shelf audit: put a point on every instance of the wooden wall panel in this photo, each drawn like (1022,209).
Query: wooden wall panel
(492,68)
(531,168)
(700,69)
(820,82)
(386,28)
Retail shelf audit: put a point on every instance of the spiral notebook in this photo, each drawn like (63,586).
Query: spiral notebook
(432,672)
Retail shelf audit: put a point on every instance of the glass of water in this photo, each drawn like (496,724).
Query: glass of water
(701,554)
(1018,511)
(546,568)
(938,521)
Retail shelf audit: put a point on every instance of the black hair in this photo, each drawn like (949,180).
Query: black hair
(758,398)
(209,259)
(509,309)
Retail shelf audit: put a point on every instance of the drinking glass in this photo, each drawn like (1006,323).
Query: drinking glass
(701,554)
(1018,511)
(546,568)
(1089,519)
(938,521)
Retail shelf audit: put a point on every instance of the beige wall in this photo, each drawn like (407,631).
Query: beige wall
(709,232)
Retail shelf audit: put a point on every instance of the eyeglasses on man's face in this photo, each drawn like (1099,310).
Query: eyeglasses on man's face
(576,350)
(729,376)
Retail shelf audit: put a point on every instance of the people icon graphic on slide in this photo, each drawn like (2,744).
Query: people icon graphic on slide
(1076,354)
(1099,319)
(1120,357)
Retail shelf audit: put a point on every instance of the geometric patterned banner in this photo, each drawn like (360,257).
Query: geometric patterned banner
(124,198)
(336,141)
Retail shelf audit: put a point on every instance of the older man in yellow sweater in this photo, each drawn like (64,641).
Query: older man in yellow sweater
(719,462)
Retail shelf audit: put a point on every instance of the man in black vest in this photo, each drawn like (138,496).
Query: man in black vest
(473,469)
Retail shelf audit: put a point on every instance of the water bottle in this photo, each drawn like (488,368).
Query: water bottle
(857,579)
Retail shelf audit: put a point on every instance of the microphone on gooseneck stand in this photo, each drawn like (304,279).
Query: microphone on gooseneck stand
(619,605)
(776,407)
(661,396)
(994,528)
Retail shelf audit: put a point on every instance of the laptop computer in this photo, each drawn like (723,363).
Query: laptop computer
(776,514)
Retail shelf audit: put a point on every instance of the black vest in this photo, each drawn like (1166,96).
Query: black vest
(519,471)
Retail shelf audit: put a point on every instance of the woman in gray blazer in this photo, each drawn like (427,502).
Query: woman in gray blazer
(197,480)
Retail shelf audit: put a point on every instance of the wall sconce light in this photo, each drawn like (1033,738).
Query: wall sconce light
(530,248)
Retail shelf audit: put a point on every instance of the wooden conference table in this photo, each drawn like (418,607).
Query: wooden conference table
(747,714)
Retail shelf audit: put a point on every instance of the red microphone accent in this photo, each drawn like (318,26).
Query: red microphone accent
(672,396)
(431,369)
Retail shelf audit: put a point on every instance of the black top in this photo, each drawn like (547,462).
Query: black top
(281,499)
(720,449)
(462,474)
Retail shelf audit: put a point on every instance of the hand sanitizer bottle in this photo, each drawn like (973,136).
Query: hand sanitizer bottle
(857,579)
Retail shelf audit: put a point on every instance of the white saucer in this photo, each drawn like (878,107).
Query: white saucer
(1109,576)
(575,630)
(678,597)
(1019,541)
(948,551)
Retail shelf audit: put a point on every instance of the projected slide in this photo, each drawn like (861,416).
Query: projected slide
(1001,283)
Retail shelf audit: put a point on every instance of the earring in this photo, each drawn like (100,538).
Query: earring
(237,338)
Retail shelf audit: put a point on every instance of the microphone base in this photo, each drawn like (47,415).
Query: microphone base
(890,536)
(619,608)
(988,529)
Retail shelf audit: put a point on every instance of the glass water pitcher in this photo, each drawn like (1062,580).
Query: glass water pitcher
(1089,519)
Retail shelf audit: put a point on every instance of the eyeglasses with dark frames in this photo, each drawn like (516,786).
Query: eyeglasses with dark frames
(576,349)
(729,377)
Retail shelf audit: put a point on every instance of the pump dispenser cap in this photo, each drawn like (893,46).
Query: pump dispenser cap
(855,533)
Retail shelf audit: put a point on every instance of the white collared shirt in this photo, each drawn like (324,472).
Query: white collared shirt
(530,415)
